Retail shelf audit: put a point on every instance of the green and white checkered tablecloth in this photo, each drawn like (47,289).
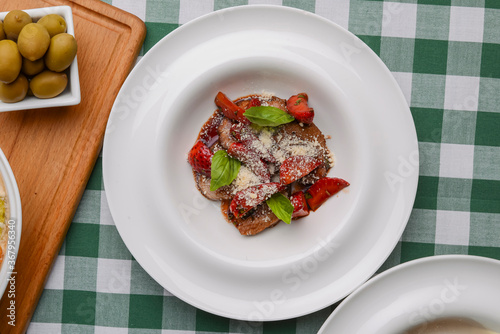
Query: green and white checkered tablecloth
(445,55)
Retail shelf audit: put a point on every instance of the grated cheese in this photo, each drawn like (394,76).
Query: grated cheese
(266,95)
(292,145)
(246,178)
(266,138)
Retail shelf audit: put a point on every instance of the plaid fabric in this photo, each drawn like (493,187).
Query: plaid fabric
(445,56)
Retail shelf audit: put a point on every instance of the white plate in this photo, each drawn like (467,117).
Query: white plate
(419,291)
(13,223)
(182,240)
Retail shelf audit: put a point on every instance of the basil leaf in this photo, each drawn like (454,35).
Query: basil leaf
(267,116)
(224,170)
(281,206)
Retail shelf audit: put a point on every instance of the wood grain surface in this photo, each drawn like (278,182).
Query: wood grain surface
(52,151)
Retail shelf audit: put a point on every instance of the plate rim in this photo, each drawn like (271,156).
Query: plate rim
(390,77)
(428,260)
(14,200)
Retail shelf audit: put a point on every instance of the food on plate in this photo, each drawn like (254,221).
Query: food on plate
(4,209)
(15,91)
(264,159)
(32,46)
(48,84)
(449,326)
(14,22)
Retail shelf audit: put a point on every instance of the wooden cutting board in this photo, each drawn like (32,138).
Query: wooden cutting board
(52,151)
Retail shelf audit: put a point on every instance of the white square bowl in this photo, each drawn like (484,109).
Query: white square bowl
(71,95)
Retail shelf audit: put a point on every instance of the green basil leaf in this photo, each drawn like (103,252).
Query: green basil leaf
(224,170)
(281,206)
(267,116)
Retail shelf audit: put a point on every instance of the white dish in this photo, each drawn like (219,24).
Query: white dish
(13,222)
(182,240)
(419,291)
(71,95)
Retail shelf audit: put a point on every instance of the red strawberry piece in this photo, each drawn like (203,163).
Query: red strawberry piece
(242,133)
(247,199)
(297,167)
(200,158)
(230,109)
(322,190)
(298,108)
(210,131)
(299,203)
(251,160)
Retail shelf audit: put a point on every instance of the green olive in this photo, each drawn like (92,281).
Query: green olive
(10,61)
(15,91)
(14,22)
(55,24)
(48,84)
(62,51)
(2,33)
(33,41)
(31,68)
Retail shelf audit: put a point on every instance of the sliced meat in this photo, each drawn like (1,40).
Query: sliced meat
(225,137)
(251,159)
(245,135)
(203,185)
(226,213)
(308,132)
(297,186)
(260,219)
(294,139)
(277,102)
(246,102)
(315,175)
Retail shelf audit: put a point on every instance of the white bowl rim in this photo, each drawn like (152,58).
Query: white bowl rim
(14,200)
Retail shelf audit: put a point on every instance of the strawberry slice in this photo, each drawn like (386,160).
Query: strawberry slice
(242,133)
(251,160)
(323,189)
(200,158)
(297,167)
(247,199)
(299,203)
(230,109)
(298,108)
(209,133)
